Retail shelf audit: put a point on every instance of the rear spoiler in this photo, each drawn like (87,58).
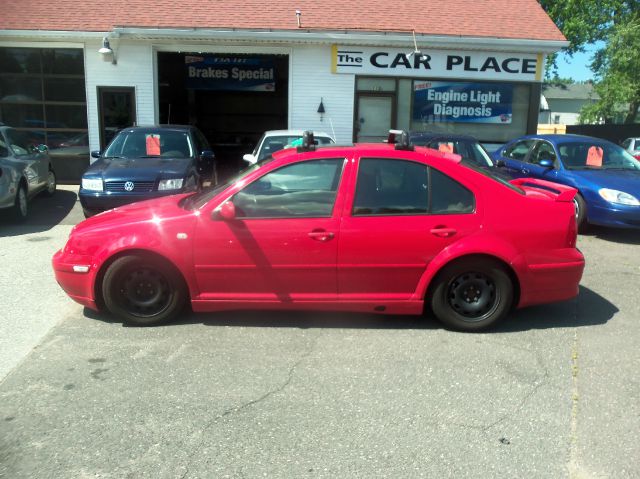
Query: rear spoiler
(561,192)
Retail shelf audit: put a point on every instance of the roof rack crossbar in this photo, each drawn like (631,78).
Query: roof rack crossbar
(401,139)
(308,142)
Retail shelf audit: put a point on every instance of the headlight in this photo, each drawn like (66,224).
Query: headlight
(93,184)
(619,197)
(173,184)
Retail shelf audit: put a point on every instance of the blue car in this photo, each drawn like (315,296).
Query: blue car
(606,176)
(142,163)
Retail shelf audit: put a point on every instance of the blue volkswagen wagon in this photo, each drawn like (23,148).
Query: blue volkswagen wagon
(142,163)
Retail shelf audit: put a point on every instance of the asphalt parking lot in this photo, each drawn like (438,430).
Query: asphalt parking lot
(552,392)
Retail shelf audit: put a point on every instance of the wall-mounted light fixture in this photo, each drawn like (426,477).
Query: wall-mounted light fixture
(107,52)
(299,18)
(321,109)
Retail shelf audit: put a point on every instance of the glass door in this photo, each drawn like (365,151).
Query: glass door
(117,110)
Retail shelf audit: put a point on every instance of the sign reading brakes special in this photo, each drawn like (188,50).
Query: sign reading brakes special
(461,102)
(471,65)
(229,73)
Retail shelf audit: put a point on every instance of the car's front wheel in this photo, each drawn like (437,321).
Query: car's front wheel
(473,294)
(581,212)
(143,290)
(51,184)
(21,203)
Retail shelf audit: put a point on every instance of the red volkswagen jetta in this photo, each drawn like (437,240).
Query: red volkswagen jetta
(379,227)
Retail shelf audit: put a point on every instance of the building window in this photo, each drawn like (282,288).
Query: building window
(42,93)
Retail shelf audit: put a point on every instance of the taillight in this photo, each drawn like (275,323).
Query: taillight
(572,231)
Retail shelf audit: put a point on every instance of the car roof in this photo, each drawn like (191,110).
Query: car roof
(294,133)
(563,138)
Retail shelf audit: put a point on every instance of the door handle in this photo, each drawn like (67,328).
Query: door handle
(443,231)
(321,235)
(525,171)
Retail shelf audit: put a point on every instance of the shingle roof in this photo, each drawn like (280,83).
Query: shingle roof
(574,91)
(515,19)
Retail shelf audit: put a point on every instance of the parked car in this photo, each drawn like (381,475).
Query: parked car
(374,228)
(276,140)
(632,145)
(606,176)
(25,171)
(142,163)
(466,146)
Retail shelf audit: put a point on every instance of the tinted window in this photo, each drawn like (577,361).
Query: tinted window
(306,189)
(448,196)
(542,151)
(391,187)
(468,150)
(518,150)
(202,142)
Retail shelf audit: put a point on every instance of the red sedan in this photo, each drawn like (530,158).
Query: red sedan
(372,228)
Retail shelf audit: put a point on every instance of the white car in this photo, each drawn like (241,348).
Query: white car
(275,140)
(632,145)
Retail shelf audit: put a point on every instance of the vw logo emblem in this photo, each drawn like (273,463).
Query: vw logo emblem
(128,185)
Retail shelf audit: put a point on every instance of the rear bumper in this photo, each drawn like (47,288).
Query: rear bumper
(552,281)
(79,286)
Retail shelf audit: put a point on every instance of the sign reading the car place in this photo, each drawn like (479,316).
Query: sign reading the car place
(229,73)
(437,64)
(462,102)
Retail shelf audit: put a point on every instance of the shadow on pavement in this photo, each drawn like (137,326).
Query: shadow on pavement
(44,214)
(589,309)
(615,235)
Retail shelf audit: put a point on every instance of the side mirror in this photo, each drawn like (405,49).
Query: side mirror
(96,154)
(207,155)
(249,158)
(546,163)
(227,211)
(42,148)
(501,163)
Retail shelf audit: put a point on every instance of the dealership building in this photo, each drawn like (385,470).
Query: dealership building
(72,76)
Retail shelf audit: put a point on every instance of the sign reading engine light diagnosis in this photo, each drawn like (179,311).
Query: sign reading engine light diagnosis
(229,73)
(458,102)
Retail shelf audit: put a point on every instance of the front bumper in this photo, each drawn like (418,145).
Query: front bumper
(619,216)
(95,202)
(78,285)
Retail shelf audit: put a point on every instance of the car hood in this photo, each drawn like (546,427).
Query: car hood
(155,210)
(623,180)
(139,168)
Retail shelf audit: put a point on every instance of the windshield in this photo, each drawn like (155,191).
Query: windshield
(141,143)
(493,174)
(596,155)
(272,144)
(198,200)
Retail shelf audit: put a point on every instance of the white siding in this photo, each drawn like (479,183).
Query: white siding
(134,68)
(310,80)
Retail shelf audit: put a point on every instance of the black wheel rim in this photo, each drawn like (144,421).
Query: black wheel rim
(474,296)
(144,292)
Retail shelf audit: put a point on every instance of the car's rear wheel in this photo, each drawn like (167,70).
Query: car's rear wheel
(143,290)
(471,295)
(51,184)
(21,203)
(581,212)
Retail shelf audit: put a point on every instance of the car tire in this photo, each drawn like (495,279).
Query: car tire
(581,212)
(471,295)
(143,290)
(52,184)
(21,204)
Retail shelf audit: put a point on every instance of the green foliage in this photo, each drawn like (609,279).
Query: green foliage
(617,65)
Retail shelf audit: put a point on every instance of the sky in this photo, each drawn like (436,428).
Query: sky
(577,67)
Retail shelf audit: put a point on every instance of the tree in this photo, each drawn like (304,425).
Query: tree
(617,65)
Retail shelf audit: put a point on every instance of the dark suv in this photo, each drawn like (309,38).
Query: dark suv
(142,163)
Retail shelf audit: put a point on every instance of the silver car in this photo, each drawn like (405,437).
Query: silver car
(25,171)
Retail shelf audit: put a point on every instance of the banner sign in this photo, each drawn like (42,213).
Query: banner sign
(462,102)
(229,73)
(468,65)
